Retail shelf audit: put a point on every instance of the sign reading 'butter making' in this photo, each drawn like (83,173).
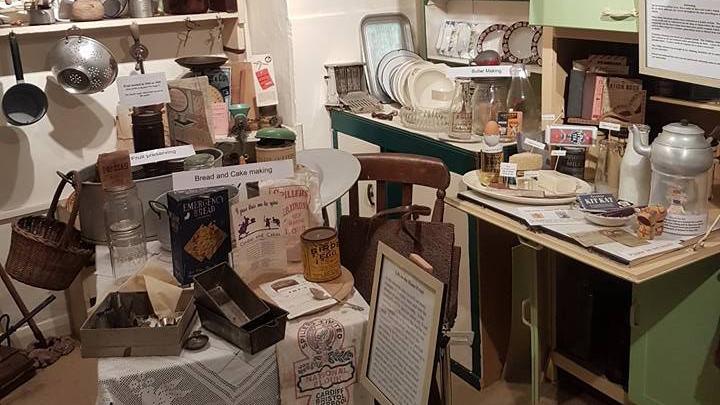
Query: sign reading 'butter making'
(233,175)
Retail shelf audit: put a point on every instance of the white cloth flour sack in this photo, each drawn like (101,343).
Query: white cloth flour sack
(319,358)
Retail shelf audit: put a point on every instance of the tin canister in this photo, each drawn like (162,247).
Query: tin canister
(321,254)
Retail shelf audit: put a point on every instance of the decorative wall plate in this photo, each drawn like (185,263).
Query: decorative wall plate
(499,28)
(518,43)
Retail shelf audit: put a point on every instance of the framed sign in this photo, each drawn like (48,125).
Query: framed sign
(402,333)
(680,40)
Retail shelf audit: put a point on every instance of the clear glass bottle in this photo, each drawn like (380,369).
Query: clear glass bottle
(488,100)
(521,97)
(491,155)
(461,110)
(125,228)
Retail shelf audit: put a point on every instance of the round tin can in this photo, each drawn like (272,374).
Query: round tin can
(271,153)
(321,254)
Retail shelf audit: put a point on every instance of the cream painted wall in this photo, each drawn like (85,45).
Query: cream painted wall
(75,129)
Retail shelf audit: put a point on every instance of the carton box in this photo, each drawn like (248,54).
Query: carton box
(100,340)
(199,230)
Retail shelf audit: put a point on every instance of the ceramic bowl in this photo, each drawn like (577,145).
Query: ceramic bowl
(430,88)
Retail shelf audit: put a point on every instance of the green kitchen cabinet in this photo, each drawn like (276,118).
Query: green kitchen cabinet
(676,327)
(609,15)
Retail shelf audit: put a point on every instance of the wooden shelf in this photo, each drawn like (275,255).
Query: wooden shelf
(600,383)
(118,22)
(687,103)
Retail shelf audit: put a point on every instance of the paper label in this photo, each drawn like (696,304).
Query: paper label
(441,95)
(610,126)
(624,237)
(480,71)
(142,90)
(159,155)
(531,173)
(220,123)
(570,135)
(264,80)
(232,175)
(548,117)
(558,152)
(508,169)
(492,149)
(114,169)
(685,224)
(257,229)
(533,143)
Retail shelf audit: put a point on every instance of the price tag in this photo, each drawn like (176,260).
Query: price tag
(508,169)
(558,152)
(610,126)
(548,117)
(532,173)
(142,90)
(159,155)
(533,143)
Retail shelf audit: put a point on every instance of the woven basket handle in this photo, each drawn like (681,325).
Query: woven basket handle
(72,179)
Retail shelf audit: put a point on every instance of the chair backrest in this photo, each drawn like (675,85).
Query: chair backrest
(406,170)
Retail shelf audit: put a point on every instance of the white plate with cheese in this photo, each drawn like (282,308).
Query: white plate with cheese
(558,189)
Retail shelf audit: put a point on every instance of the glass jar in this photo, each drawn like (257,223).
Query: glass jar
(488,100)
(607,173)
(148,130)
(125,229)
(490,158)
(460,116)
(521,98)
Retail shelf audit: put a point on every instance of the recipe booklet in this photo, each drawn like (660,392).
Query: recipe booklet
(295,295)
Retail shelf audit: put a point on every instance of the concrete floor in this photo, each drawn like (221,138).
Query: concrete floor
(72,381)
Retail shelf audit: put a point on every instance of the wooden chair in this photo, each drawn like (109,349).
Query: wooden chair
(409,170)
(406,170)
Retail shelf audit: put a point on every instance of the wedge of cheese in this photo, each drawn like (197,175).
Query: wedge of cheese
(556,183)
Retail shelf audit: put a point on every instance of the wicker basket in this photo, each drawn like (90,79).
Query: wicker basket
(47,253)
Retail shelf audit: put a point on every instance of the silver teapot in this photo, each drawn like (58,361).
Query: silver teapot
(681,149)
(681,159)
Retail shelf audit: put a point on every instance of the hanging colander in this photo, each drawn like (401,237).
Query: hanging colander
(81,64)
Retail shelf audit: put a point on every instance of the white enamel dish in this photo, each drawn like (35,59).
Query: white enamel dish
(472,180)
(430,88)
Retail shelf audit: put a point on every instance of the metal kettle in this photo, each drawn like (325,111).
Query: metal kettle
(680,150)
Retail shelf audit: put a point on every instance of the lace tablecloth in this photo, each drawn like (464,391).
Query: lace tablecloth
(218,374)
(315,346)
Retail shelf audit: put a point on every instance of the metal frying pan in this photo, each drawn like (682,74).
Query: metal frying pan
(23,103)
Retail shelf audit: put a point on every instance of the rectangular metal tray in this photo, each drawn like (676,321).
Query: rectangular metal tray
(380,34)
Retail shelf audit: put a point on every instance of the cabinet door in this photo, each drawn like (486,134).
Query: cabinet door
(675,334)
(610,15)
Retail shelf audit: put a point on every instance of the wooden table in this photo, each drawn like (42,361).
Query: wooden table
(674,318)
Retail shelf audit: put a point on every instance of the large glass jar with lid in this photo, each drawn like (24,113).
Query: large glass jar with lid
(488,100)
(125,229)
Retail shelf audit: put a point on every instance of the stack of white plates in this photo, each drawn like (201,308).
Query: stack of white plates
(413,82)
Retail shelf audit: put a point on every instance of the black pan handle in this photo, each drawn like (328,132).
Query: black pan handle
(15,52)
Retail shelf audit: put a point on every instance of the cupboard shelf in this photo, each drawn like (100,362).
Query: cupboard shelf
(120,22)
(534,69)
(687,103)
(600,383)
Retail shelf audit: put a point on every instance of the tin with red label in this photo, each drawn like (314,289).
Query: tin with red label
(321,254)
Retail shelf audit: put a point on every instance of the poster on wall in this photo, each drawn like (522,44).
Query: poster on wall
(403,327)
(680,40)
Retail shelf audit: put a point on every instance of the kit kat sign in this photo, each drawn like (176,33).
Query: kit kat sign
(329,368)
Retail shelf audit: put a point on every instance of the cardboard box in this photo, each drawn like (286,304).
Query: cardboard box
(199,230)
(137,341)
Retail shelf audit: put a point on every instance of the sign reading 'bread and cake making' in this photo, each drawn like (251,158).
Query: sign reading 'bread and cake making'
(233,175)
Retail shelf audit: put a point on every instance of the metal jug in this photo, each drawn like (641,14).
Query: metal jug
(680,158)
